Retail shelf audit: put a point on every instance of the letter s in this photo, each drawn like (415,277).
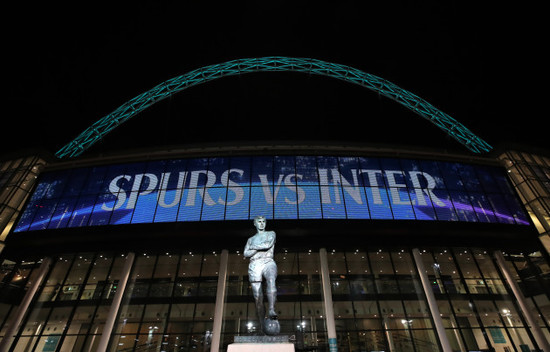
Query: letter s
(300,194)
(118,192)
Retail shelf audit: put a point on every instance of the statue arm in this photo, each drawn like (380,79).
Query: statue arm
(271,240)
(248,251)
(267,244)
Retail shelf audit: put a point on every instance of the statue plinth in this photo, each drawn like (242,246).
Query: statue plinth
(261,343)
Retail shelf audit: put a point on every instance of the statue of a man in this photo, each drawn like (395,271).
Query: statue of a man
(259,248)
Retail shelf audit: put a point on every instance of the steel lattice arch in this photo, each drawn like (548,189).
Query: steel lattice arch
(273,64)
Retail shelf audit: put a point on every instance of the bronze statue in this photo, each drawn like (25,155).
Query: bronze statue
(259,248)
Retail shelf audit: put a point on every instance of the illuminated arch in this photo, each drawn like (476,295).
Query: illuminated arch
(268,64)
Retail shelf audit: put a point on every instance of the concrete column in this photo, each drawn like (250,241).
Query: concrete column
(527,313)
(6,342)
(432,303)
(115,305)
(327,301)
(220,303)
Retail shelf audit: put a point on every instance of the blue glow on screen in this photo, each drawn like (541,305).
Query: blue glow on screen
(278,187)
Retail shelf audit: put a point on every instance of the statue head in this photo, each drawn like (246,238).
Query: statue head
(260,222)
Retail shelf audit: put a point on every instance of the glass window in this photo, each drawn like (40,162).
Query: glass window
(166,266)
(405,274)
(211,264)
(382,269)
(59,271)
(237,284)
(204,317)
(489,272)
(442,268)
(466,263)
(288,280)
(310,279)
(144,266)
(128,326)
(164,274)
(376,294)
(181,318)
(77,274)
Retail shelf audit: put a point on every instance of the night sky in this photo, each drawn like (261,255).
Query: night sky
(67,67)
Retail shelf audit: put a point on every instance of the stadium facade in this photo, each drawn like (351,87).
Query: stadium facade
(378,249)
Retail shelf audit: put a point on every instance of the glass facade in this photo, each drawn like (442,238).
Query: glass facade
(17,177)
(72,304)
(378,299)
(381,300)
(530,174)
(15,279)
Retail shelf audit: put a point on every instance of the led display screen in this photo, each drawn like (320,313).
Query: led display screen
(278,187)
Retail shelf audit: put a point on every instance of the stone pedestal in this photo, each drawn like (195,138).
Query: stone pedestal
(261,347)
(261,343)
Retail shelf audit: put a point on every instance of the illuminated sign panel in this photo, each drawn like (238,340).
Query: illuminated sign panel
(279,187)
